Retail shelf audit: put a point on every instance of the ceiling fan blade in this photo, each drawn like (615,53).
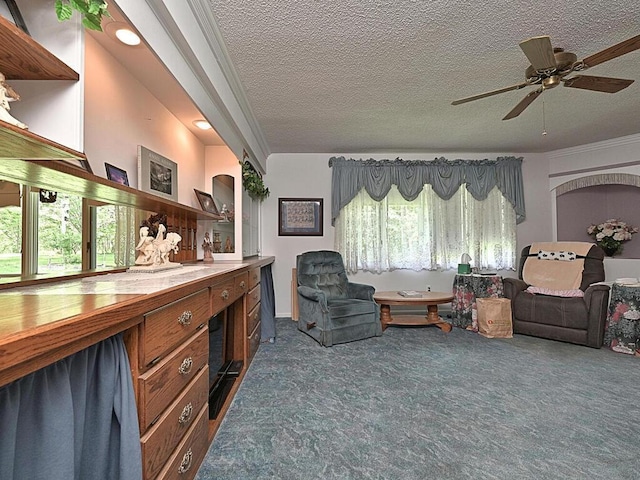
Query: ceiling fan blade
(489,94)
(539,52)
(612,52)
(598,84)
(524,103)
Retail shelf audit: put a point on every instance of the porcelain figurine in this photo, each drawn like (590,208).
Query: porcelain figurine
(8,94)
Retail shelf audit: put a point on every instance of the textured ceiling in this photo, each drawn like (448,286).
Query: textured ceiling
(372,76)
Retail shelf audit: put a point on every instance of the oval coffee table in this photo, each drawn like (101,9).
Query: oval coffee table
(430,299)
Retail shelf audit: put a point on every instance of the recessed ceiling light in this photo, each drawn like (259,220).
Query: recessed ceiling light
(202,124)
(123,33)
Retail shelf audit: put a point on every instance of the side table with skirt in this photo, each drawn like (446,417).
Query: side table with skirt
(466,288)
(622,329)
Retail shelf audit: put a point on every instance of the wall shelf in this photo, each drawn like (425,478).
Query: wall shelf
(58,175)
(18,143)
(26,59)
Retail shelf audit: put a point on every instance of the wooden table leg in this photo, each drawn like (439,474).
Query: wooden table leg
(385,316)
(434,319)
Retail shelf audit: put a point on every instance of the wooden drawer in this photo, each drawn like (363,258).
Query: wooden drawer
(166,328)
(253,298)
(253,318)
(221,296)
(241,284)
(184,463)
(160,385)
(254,341)
(254,277)
(163,437)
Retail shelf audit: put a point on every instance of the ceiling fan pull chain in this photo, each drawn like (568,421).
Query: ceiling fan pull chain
(544,126)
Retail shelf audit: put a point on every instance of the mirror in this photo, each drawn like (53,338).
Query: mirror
(224,230)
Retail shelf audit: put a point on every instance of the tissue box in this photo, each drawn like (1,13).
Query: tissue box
(464,268)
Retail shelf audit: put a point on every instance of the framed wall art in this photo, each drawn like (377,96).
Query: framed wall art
(206,202)
(116,174)
(157,174)
(300,216)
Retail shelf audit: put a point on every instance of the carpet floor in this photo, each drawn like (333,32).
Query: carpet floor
(420,404)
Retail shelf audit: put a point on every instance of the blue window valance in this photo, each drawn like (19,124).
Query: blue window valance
(349,176)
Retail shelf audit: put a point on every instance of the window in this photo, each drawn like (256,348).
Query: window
(60,234)
(428,233)
(11,231)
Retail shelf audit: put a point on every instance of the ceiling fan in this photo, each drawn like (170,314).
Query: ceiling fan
(549,67)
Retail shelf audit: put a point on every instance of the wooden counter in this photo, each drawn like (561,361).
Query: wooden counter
(43,324)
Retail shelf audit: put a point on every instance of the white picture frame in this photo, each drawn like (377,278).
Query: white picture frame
(157,174)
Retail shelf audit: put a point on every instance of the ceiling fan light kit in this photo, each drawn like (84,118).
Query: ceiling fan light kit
(549,67)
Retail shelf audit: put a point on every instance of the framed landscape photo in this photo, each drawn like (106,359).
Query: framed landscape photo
(300,217)
(157,174)
(206,202)
(116,174)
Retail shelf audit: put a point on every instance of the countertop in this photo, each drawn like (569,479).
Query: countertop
(44,323)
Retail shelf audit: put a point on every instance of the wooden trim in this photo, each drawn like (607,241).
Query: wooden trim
(294,295)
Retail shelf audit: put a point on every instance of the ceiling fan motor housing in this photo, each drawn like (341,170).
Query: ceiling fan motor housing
(564,64)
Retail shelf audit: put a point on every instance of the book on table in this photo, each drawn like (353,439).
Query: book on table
(410,293)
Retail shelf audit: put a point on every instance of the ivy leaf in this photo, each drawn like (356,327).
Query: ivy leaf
(80,5)
(92,22)
(63,10)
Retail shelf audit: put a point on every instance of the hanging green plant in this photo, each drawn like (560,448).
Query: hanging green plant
(252,182)
(92,11)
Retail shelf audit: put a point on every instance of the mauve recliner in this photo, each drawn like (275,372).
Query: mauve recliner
(579,320)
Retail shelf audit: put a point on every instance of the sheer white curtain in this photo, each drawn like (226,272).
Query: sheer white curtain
(428,233)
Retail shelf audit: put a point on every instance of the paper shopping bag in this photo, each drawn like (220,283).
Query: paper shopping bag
(494,317)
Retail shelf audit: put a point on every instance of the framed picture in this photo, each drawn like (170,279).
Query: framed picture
(79,163)
(116,174)
(157,174)
(206,202)
(300,216)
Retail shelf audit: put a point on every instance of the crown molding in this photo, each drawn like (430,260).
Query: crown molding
(208,23)
(594,147)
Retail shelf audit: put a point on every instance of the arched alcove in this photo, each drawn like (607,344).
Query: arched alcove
(594,199)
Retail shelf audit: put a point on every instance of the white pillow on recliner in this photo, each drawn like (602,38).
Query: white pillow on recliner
(555,293)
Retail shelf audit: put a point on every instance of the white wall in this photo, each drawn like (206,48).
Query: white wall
(309,175)
(120,114)
(619,155)
(52,108)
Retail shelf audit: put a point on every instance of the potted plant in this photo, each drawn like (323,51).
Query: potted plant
(92,11)
(252,182)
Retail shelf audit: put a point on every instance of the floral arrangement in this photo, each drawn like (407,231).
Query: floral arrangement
(610,234)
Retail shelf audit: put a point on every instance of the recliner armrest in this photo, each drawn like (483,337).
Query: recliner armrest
(360,291)
(595,292)
(314,295)
(513,286)
(596,298)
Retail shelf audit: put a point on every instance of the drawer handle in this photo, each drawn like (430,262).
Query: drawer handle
(242,284)
(186,366)
(185,416)
(185,465)
(225,294)
(185,318)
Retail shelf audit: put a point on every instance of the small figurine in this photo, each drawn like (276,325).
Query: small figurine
(217,243)
(8,94)
(144,247)
(228,247)
(207,246)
